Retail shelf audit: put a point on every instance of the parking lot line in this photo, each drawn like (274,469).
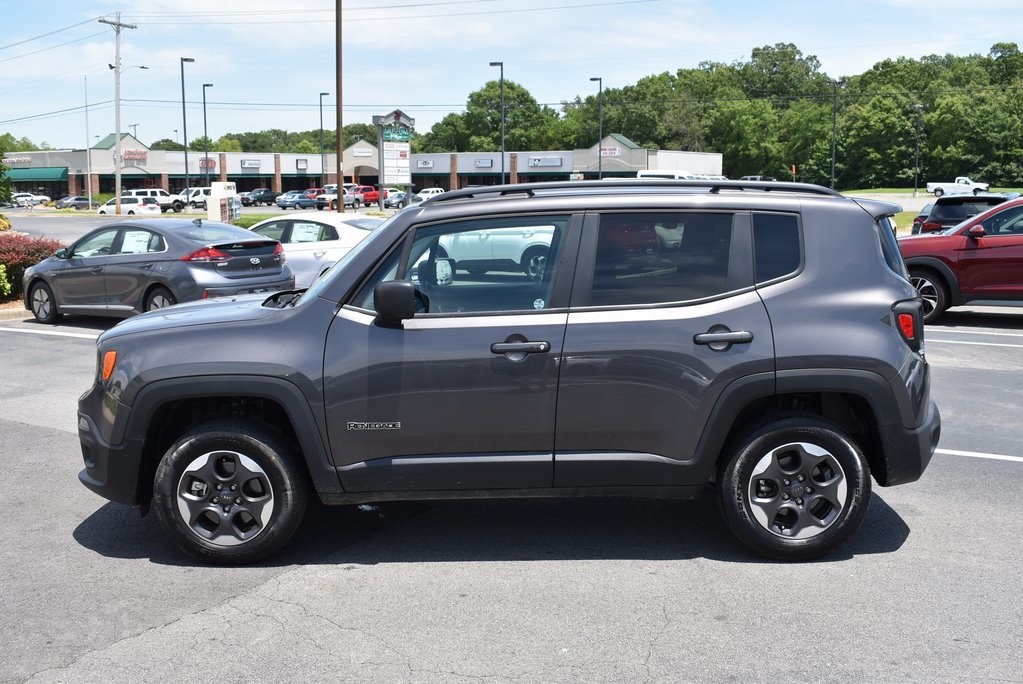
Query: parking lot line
(976,454)
(56,333)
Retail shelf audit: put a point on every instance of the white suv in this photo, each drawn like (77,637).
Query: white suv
(194,197)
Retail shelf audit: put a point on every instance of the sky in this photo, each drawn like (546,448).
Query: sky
(268,62)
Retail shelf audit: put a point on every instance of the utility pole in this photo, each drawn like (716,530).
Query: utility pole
(116,23)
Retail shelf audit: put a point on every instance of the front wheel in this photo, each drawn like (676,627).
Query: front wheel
(230,492)
(933,292)
(795,488)
(938,192)
(44,308)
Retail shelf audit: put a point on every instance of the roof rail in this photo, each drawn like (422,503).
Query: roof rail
(713,186)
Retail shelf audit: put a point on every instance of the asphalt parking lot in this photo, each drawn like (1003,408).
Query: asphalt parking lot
(530,591)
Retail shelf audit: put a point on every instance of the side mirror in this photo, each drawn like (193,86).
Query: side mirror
(394,301)
(975,232)
(62,253)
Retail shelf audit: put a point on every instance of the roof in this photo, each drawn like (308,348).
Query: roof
(625,141)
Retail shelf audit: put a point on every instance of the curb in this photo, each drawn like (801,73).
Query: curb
(14,314)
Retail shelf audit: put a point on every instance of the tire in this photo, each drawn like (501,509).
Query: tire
(177,207)
(933,291)
(976,191)
(938,192)
(260,472)
(319,207)
(158,298)
(44,306)
(795,488)
(356,203)
(131,213)
(534,262)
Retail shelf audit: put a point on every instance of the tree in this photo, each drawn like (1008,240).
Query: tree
(167,144)
(745,132)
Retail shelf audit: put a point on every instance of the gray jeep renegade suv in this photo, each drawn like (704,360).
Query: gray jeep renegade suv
(644,338)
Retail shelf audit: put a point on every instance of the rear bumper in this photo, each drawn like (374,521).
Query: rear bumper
(910,450)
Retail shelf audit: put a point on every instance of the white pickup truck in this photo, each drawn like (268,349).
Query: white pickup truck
(962,186)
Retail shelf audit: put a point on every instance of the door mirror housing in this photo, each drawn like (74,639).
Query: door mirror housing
(62,253)
(394,301)
(975,232)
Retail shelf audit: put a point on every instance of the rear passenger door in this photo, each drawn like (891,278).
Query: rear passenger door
(664,317)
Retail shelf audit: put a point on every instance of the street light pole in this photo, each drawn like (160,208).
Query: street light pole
(184,119)
(88,145)
(205,136)
(916,172)
(323,159)
(501,64)
(834,126)
(600,125)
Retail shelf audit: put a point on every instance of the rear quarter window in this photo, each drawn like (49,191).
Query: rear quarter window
(776,246)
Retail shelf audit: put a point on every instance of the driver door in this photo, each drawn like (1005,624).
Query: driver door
(463,395)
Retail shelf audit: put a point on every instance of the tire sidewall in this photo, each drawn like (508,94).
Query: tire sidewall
(270,452)
(736,475)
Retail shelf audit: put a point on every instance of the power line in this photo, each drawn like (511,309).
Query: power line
(29,40)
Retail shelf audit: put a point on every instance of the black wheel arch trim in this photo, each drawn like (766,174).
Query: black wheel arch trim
(311,440)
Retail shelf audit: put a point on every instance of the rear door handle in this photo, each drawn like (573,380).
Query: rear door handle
(720,338)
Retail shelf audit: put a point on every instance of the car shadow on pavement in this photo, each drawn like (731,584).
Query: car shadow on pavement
(492,530)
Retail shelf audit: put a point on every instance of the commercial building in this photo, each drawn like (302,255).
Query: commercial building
(72,172)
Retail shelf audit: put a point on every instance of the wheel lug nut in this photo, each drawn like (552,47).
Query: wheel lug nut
(802,477)
(227,509)
(787,482)
(799,501)
(237,499)
(809,490)
(234,487)
(216,499)
(219,486)
(785,497)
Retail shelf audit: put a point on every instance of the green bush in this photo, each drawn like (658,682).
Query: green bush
(18,252)
(5,287)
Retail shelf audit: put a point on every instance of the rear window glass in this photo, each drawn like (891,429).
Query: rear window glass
(215,232)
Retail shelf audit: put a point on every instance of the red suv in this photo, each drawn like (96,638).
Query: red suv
(979,261)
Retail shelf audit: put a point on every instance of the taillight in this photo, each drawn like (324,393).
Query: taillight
(930,227)
(279,251)
(909,321)
(208,254)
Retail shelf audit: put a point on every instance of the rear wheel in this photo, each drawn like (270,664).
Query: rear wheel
(795,488)
(938,192)
(159,298)
(932,290)
(44,308)
(230,492)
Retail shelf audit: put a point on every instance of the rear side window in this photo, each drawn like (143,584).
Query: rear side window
(776,246)
(661,257)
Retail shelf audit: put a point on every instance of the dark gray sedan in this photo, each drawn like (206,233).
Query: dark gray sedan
(129,267)
(76,202)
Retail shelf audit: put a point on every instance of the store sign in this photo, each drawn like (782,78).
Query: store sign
(424,163)
(301,164)
(484,163)
(207,163)
(135,155)
(362,152)
(17,160)
(610,151)
(397,133)
(544,161)
(250,163)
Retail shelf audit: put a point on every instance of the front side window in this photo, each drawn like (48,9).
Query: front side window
(661,257)
(1007,222)
(97,244)
(477,266)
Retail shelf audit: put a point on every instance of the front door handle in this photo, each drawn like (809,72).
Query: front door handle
(520,347)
